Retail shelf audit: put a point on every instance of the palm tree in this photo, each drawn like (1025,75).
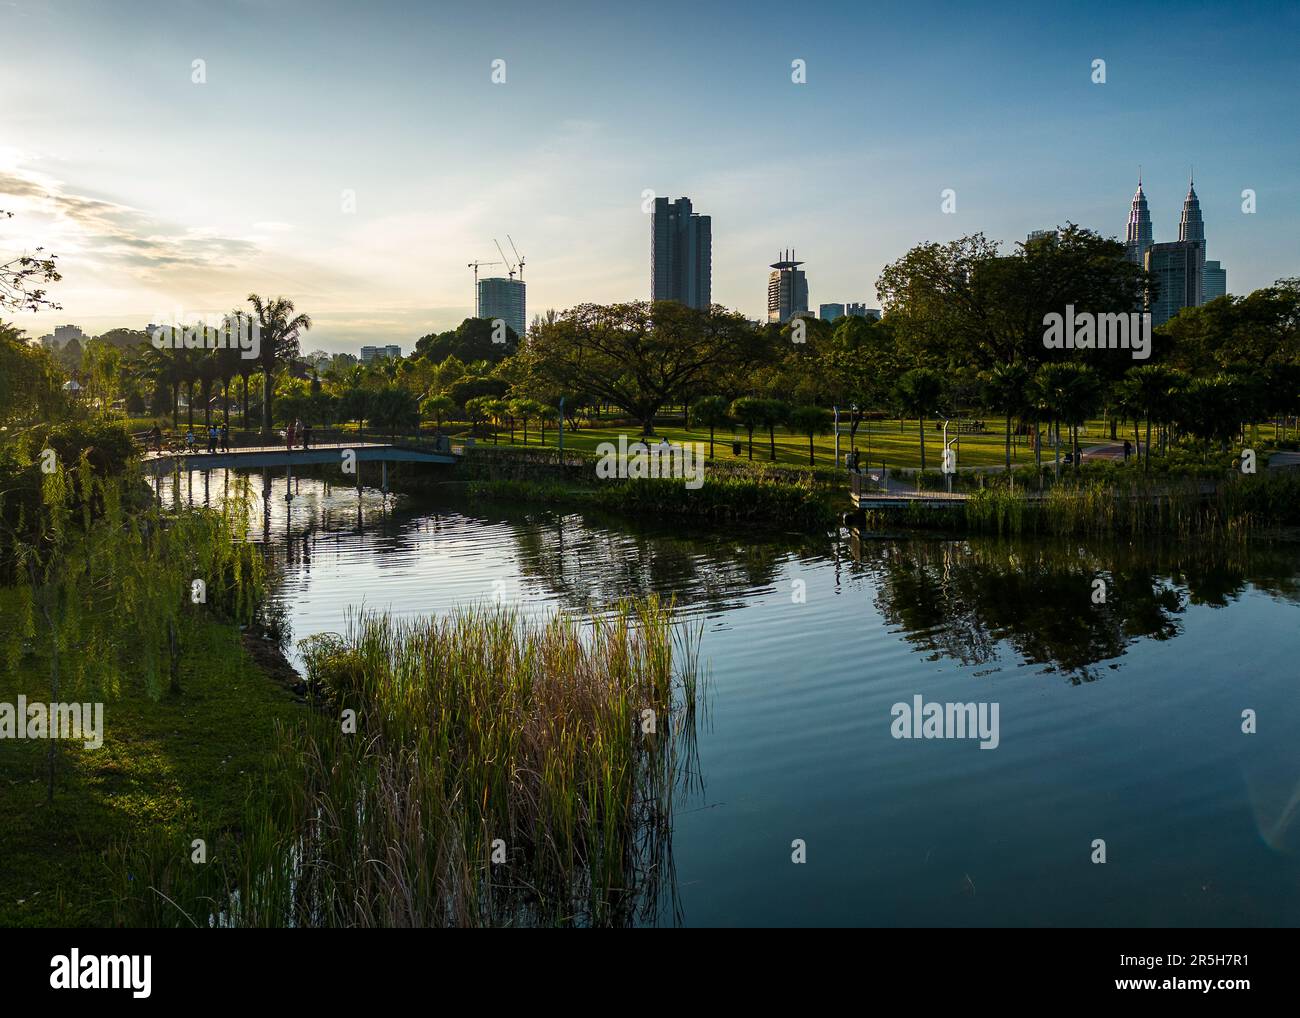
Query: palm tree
(810,420)
(775,411)
(711,412)
(278,330)
(1151,390)
(918,393)
(749,412)
(1069,392)
(437,407)
(496,410)
(1004,391)
(163,367)
(394,407)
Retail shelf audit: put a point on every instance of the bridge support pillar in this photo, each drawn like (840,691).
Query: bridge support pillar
(384,475)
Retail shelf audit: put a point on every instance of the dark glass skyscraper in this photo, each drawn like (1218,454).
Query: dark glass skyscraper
(681,254)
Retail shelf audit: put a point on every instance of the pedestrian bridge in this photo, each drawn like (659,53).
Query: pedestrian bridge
(269,456)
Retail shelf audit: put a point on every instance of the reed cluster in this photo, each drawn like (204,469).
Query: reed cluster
(499,772)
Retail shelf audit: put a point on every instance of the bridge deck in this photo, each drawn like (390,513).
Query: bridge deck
(278,456)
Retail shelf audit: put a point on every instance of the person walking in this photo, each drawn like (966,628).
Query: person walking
(225,436)
(212,438)
(288,437)
(306,436)
(155,436)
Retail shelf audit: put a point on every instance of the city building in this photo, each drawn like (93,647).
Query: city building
(787,290)
(1216,281)
(1184,277)
(862,311)
(374,353)
(1179,268)
(1041,235)
(830,312)
(62,336)
(1138,236)
(681,254)
(503,298)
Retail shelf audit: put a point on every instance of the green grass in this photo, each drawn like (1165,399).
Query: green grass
(179,766)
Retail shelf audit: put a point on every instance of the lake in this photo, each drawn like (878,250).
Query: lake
(1118,722)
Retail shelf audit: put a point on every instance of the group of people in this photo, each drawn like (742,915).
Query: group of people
(218,438)
(297,431)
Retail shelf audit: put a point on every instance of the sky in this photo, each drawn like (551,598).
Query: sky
(166,196)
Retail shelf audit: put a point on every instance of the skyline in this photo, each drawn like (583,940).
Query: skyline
(848,168)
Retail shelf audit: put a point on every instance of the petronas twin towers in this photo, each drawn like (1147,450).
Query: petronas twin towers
(1185,278)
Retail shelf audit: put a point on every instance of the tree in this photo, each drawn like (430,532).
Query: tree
(749,412)
(711,412)
(477,410)
(278,331)
(497,410)
(21,280)
(919,391)
(1150,391)
(394,407)
(811,421)
(1004,391)
(30,381)
(775,411)
(437,407)
(641,356)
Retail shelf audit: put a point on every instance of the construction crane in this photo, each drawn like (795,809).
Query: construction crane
(518,256)
(474,266)
(510,268)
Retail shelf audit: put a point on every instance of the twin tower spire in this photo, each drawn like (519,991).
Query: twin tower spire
(1139,237)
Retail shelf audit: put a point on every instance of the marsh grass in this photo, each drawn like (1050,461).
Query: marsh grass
(474,731)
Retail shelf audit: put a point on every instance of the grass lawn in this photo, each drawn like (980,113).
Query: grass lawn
(881,440)
(180,765)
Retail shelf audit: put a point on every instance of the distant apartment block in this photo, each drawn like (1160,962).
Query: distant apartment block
(503,298)
(62,336)
(379,353)
(681,254)
(830,312)
(1216,280)
(862,311)
(787,290)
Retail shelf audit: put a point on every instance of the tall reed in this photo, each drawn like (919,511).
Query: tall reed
(501,772)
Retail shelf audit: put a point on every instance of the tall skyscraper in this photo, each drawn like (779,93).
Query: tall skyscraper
(505,299)
(1216,281)
(1179,267)
(787,290)
(681,254)
(1138,237)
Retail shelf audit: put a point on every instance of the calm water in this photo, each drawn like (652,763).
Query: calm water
(1119,722)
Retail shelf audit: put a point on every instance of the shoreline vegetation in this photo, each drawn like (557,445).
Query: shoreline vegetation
(1105,498)
(469,770)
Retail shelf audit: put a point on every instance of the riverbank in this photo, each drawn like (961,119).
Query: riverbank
(176,767)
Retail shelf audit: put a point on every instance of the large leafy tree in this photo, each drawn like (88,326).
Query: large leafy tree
(640,356)
(279,329)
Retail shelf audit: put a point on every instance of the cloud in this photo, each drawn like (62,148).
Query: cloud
(114,233)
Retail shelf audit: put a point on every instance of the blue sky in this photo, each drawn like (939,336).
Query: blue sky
(163,195)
